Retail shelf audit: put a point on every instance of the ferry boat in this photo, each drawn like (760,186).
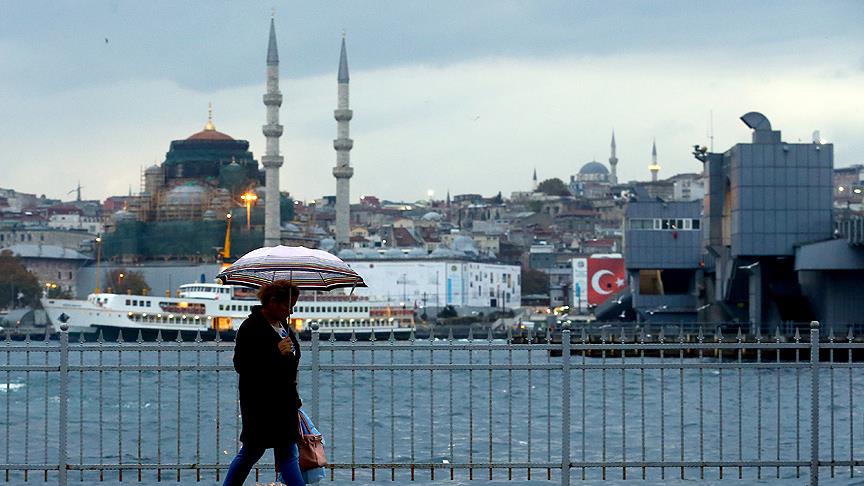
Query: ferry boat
(213,309)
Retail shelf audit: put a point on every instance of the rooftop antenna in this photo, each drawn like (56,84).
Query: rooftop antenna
(711,129)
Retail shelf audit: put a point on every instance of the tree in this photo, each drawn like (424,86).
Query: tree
(553,187)
(122,281)
(18,286)
(534,281)
(447,312)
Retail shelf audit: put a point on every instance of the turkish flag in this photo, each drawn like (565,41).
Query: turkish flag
(606,276)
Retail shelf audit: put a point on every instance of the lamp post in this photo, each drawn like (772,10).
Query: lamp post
(98,258)
(249,198)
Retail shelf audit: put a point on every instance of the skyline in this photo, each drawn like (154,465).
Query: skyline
(467,100)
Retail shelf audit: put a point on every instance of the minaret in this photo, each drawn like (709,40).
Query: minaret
(613,162)
(654,168)
(272,161)
(343,144)
(534,180)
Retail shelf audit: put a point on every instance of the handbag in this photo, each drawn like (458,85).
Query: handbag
(311,445)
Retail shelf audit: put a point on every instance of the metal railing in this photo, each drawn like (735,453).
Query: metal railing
(627,407)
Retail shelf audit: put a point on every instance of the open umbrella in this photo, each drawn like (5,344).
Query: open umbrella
(306,268)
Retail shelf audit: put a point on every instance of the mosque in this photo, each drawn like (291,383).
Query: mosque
(201,178)
(182,210)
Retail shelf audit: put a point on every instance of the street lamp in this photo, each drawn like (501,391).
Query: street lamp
(98,257)
(249,198)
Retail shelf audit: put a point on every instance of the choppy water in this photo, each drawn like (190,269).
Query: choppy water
(192,417)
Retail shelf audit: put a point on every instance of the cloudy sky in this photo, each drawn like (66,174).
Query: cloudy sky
(466,96)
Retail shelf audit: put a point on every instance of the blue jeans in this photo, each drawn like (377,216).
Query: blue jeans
(286,459)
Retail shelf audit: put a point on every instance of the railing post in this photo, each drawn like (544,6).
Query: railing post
(814,403)
(565,405)
(64,405)
(316,368)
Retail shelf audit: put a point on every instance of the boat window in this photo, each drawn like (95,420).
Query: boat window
(220,307)
(127,302)
(148,303)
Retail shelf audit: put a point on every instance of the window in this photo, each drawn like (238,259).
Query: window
(665,281)
(696,224)
(128,302)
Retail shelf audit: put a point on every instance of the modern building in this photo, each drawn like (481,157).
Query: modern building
(413,282)
(769,254)
(663,255)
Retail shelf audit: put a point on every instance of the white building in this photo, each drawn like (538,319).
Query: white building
(417,283)
(74,221)
(688,187)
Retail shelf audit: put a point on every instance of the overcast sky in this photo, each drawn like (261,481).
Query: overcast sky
(469,96)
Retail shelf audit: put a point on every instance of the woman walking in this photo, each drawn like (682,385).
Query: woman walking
(266,356)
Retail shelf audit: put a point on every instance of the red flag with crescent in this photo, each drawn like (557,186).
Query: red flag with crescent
(606,276)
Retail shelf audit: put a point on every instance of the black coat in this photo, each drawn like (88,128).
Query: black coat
(268,383)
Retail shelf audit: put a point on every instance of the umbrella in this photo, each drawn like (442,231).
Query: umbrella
(304,267)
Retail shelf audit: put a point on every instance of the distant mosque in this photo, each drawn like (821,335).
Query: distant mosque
(594,180)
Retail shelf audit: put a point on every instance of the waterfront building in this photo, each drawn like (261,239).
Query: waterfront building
(663,255)
(437,280)
(55,267)
(770,250)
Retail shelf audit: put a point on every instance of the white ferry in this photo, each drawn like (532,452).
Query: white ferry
(209,309)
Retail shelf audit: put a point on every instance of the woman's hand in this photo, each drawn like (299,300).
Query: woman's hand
(286,346)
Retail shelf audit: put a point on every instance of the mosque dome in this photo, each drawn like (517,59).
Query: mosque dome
(432,216)
(209,215)
(209,135)
(464,244)
(594,167)
(123,215)
(186,195)
(153,169)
